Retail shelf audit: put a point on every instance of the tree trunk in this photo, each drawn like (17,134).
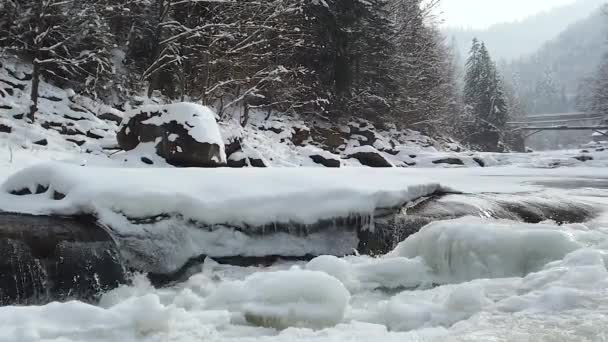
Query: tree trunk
(35,91)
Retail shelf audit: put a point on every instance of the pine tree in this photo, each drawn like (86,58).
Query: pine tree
(485,98)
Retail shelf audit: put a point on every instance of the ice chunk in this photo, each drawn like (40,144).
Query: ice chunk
(470,248)
(293,298)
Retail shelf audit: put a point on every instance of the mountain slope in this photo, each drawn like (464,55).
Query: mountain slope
(512,40)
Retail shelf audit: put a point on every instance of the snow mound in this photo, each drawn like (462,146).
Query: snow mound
(215,196)
(294,298)
(471,248)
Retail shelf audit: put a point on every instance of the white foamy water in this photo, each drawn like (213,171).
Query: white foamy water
(528,283)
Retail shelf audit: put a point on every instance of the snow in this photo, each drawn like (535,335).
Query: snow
(215,196)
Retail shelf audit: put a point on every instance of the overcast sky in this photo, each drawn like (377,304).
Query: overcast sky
(483,13)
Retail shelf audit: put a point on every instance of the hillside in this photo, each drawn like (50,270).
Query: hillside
(560,65)
(513,40)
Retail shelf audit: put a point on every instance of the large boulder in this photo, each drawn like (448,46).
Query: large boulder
(368,156)
(184,134)
(46,258)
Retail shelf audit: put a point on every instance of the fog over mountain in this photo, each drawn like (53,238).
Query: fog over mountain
(512,40)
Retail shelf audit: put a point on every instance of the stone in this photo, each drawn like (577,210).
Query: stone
(110,117)
(583,158)
(327,162)
(450,161)
(369,156)
(42,142)
(47,258)
(175,129)
(5,128)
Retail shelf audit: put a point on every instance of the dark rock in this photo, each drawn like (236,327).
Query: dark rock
(388,232)
(450,161)
(240,163)
(327,162)
(300,135)
(49,258)
(42,142)
(147,160)
(110,117)
(601,149)
(74,118)
(233,146)
(371,159)
(584,151)
(13,85)
(391,152)
(26,77)
(256,162)
(68,130)
(79,110)
(93,135)
(583,158)
(18,116)
(6,107)
(52,98)
(5,128)
(8,91)
(184,151)
(77,142)
(272,129)
(479,161)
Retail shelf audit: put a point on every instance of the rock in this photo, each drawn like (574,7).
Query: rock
(42,142)
(110,117)
(369,156)
(93,135)
(327,162)
(233,145)
(300,135)
(52,98)
(147,160)
(76,141)
(5,128)
(18,116)
(48,258)
(479,161)
(186,134)
(583,158)
(255,162)
(239,160)
(450,161)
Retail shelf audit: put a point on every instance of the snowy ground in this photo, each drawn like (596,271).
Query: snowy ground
(462,280)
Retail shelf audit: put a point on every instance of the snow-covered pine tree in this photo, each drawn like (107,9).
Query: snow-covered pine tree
(485,98)
(63,39)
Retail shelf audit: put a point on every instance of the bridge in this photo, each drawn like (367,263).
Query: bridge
(575,121)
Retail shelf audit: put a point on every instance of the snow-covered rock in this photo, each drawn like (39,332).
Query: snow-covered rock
(293,298)
(185,134)
(368,156)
